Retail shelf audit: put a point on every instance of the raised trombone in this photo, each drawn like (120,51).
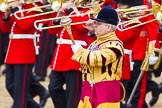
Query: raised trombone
(55,5)
(156,10)
(132,11)
(93,11)
(56,18)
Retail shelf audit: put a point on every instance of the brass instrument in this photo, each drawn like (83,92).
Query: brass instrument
(55,5)
(89,4)
(156,10)
(3,5)
(136,22)
(94,10)
(132,12)
(56,18)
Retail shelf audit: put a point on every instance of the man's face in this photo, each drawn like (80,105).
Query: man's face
(100,28)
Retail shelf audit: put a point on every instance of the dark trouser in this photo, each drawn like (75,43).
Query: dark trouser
(47,45)
(138,100)
(151,85)
(128,88)
(4,38)
(36,88)
(18,85)
(68,98)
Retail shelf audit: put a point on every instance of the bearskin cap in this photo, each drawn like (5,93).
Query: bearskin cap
(130,3)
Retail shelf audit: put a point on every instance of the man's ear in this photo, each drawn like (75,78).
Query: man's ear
(108,28)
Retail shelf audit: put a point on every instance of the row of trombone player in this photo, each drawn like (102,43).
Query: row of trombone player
(55,5)
(133,14)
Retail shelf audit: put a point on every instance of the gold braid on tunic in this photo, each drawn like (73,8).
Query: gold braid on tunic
(103,60)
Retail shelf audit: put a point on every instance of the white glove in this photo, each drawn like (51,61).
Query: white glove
(40,25)
(152,59)
(75,47)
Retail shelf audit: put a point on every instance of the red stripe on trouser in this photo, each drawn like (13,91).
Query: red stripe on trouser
(142,90)
(24,86)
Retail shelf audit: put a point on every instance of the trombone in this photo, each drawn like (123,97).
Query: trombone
(56,18)
(94,10)
(134,21)
(55,5)
(156,10)
(132,11)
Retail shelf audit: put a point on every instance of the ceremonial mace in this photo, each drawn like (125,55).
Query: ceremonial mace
(144,67)
(66,21)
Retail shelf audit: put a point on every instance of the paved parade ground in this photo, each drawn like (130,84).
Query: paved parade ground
(6,101)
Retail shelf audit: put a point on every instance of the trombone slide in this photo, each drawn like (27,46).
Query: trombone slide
(56,18)
(135,19)
(56,26)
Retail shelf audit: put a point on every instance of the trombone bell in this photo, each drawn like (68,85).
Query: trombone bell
(56,5)
(159,17)
(3,7)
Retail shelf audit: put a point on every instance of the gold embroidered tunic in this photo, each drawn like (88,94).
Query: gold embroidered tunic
(102,61)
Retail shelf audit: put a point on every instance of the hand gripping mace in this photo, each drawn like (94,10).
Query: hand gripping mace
(66,21)
(144,67)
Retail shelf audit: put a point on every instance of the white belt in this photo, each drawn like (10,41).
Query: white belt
(23,36)
(27,36)
(68,41)
(129,52)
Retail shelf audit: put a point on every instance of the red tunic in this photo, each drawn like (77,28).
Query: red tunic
(141,44)
(128,37)
(62,60)
(21,50)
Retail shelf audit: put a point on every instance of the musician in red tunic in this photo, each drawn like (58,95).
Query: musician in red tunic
(21,53)
(46,44)
(64,69)
(146,36)
(4,39)
(128,37)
